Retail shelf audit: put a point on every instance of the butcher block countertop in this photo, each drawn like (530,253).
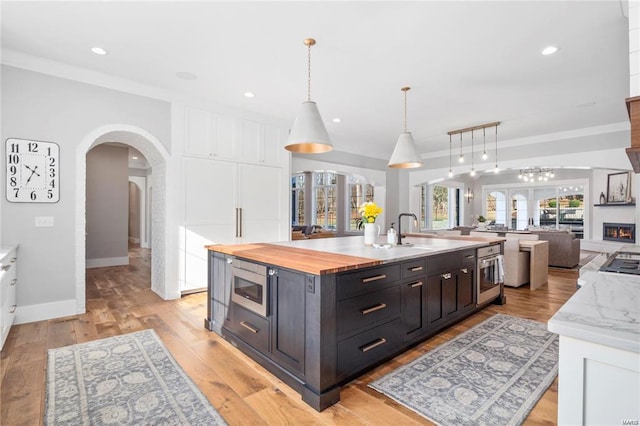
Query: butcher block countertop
(332,255)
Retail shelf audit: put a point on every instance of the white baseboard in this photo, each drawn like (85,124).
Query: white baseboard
(45,311)
(107,261)
(134,240)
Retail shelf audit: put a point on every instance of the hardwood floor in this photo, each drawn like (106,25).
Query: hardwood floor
(119,300)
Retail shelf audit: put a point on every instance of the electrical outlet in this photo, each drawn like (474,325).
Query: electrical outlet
(44,221)
(311,285)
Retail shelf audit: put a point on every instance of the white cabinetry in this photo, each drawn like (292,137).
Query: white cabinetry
(211,135)
(8,283)
(227,203)
(217,136)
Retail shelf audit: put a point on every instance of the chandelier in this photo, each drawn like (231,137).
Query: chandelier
(482,127)
(535,173)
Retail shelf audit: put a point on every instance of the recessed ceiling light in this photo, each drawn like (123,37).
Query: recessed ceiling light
(249,95)
(98,50)
(186,75)
(134,158)
(336,120)
(549,50)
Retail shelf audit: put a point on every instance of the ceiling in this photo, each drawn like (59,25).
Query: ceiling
(468,63)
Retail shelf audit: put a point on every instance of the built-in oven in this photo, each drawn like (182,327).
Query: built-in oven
(250,286)
(490,273)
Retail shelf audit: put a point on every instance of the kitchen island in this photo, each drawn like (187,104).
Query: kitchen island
(599,328)
(317,313)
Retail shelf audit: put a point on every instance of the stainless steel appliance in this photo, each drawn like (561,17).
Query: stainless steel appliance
(490,275)
(250,286)
(623,262)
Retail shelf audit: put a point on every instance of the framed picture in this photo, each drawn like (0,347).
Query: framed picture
(618,187)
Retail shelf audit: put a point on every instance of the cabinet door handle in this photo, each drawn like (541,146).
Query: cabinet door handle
(416,284)
(374,344)
(416,269)
(13,309)
(6,267)
(376,278)
(240,222)
(249,327)
(464,270)
(236,222)
(373,308)
(13,260)
(14,281)
(446,276)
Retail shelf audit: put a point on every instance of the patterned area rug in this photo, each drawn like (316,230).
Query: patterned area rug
(492,374)
(128,379)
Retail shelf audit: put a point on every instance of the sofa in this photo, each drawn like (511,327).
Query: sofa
(564,247)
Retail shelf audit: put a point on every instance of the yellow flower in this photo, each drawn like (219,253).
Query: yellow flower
(369,212)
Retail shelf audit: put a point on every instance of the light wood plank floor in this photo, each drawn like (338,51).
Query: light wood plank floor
(119,301)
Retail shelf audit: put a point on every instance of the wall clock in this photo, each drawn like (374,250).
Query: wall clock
(33,173)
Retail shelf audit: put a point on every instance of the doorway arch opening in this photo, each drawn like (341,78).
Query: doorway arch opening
(158,157)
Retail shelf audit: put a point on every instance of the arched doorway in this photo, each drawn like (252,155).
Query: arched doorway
(158,157)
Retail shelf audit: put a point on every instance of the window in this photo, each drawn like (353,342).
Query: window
(444,212)
(326,190)
(297,199)
(496,208)
(358,193)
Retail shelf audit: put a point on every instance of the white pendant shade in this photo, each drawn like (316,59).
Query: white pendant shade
(308,134)
(404,154)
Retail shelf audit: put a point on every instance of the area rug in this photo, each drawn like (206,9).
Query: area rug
(127,379)
(492,374)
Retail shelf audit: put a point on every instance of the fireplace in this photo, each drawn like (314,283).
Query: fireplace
(621,232)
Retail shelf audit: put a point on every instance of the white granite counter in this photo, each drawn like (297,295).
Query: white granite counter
(606,310)
(417,247)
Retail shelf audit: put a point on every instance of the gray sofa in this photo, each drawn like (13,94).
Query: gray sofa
(564,247)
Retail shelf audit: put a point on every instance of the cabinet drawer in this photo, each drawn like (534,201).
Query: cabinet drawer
(360,282)
(367,348)
(369,308)
(251,328)
(469,257)
(445,262)
(414,268)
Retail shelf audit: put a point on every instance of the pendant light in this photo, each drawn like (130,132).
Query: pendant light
(496,169)
(404,155)
(473,170)
(450,171)
(308,134)
(484,144)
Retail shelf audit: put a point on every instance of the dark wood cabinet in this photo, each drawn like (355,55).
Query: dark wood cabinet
(323,330)
(414,308)
(288,318)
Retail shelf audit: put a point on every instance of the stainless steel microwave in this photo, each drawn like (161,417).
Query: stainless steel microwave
(250,286)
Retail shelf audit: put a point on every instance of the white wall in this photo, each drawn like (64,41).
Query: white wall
(107,206)
(42,107)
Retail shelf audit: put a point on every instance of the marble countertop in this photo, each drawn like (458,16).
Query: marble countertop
(4,250)
(413,247)
(606,310)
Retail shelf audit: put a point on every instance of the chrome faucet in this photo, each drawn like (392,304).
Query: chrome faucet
(415,222)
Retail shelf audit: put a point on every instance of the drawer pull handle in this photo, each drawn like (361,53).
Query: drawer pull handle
(13,309)
(470,256)
(249,327)
(13,259)
(446,276)
(6,267)
(374,344)
(464,270)
(376,278)
(373,308)
(14,281)
(416,284)
(416,269)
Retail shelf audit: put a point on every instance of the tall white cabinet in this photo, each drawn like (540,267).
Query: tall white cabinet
(235,177)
